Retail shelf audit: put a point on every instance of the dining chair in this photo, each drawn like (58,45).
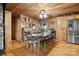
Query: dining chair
(32,43)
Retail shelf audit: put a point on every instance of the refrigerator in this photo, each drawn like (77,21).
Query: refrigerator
(73,31)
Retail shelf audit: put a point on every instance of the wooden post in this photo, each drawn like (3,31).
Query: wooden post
(8,30)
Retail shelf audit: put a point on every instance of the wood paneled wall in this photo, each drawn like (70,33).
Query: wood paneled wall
(60,25)
(17,32)
(13,30)
(51,23)
(17,29)
(61,28)
(8,29)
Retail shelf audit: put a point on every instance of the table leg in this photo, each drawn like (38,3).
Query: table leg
(38,47)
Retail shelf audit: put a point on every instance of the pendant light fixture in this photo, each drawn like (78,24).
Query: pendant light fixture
(42,14)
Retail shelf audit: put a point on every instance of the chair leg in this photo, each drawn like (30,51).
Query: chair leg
(45,45)
(38,47)
(35,46)
(28,48)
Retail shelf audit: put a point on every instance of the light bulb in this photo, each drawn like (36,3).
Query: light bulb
(45,15)
(41,16)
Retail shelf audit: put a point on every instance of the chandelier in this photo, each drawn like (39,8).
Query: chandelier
(42,14)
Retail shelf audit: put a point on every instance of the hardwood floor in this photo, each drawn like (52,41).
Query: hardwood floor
(65,49)
(54,48)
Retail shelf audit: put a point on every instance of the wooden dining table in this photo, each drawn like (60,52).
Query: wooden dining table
(39,36)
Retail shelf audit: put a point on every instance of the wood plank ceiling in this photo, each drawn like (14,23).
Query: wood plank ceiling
(32,9)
